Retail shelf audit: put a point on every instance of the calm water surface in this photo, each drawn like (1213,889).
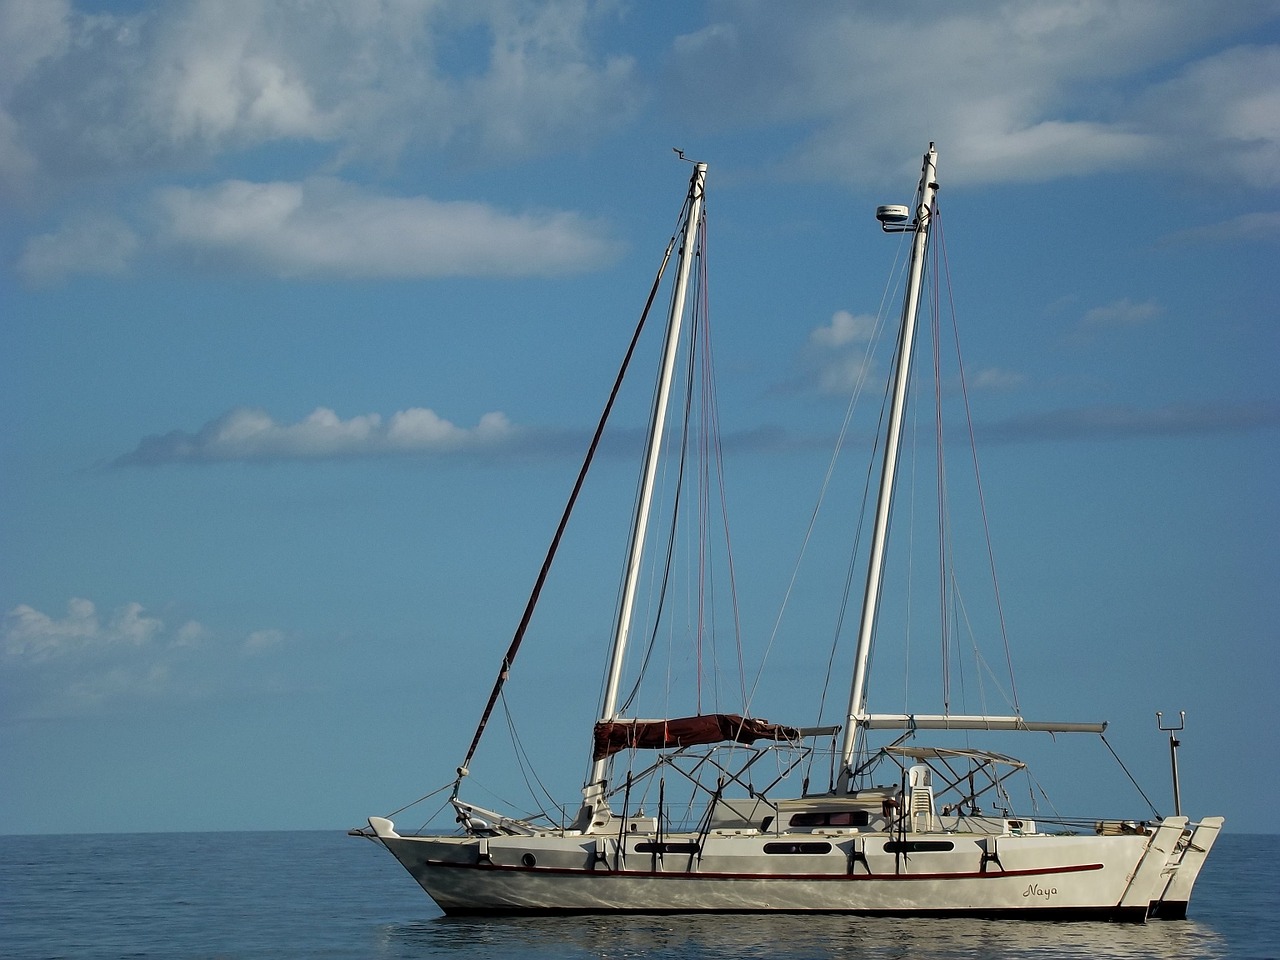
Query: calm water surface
(325,895)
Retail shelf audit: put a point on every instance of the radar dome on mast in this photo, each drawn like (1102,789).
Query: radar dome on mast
(892,213)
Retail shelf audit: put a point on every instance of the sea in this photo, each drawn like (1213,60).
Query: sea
(327,896)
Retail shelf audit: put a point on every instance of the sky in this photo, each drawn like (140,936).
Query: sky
(309,311)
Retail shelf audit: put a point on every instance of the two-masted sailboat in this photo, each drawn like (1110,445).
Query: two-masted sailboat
(901,829)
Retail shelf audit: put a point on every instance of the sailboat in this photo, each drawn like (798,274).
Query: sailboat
(904,828)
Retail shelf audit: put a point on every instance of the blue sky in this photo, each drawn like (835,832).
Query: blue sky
(310,310)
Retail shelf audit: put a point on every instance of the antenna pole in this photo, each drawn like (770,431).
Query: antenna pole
(1174,743)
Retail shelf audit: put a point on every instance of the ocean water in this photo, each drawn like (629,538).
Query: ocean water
(192,896)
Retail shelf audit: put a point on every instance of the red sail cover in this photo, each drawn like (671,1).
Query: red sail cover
(612,736)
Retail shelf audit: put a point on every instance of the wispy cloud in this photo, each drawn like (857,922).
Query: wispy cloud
(995,378)
(837,357)
(99,245)
(1246,228)
(1121,421)
(261,640)
(248,434)
(1122,313)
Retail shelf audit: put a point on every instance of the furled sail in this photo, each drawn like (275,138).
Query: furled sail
(611,736)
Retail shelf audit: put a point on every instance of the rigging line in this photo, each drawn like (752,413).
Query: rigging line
(707,625)
(954,609)
(414,803)
(855,395)
(1158,816)
(657,605)
(661,598)
(852,567)
(885,410)
(973,449)
(713,464)
(910,545)
(686,428)
(508,659)
(430,817)
(693,440)
(981,667)
(944,526)
(667,564)
(668,560)
(718,459)
(698,334)
(525,764)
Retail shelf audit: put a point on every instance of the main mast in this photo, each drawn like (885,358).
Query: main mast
(893,442)
(593,791)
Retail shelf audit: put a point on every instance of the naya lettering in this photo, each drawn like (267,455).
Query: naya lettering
(1035,890)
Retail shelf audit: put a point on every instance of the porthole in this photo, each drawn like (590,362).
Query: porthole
(918,846)
(670,846)
(832,818)
(529,860)
(797,848)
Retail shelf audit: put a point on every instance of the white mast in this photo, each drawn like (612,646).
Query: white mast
(593,791)
(893,442)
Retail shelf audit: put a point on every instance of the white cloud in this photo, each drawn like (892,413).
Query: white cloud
(85,662)
(1012,91)
(325,227)
(30,635)
(228,79)
(839,357)
(180,83)
(191,634)
(841,375)
(844,329)
(31,31)
(1222,115)
(103,245)
(543,80)
(252,435)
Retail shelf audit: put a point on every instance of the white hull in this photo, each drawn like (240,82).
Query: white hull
(1078,877)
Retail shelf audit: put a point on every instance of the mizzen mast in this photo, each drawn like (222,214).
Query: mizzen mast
(892,220)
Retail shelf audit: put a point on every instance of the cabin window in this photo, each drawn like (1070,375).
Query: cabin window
(832,818)
(673,846)
(918,846)
(797,848)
